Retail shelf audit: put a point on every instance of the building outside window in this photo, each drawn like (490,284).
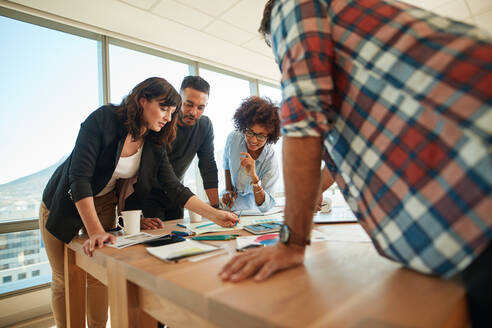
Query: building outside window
(52,86)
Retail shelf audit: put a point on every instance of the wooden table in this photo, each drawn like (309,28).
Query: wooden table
(342,284)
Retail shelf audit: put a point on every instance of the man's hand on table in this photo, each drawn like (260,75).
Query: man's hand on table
(151,223)
(262,262)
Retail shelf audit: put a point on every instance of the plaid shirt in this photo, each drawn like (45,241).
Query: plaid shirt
(402,99)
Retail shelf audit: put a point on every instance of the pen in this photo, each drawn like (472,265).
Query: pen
(205,225)
(238,217)
(179,233)
(216,237)
(181,225)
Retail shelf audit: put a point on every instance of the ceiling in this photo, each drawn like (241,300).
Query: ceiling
(222,33)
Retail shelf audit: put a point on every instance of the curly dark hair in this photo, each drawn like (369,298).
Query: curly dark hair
(256,110)
(265,21)
(130,112)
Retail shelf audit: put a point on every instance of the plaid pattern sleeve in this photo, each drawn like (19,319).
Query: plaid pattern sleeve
(403,100)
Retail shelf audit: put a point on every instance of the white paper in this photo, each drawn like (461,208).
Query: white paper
(209,226)
(129,240)
(181,249)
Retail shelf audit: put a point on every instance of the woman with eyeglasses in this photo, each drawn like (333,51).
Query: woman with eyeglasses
(250,162)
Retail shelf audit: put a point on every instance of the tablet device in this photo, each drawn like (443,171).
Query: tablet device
(262,228)
(164,240)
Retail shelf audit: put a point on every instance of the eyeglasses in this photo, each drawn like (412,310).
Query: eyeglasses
(259,137)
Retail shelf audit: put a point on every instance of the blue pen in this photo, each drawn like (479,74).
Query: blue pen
(205,225)
(181,225)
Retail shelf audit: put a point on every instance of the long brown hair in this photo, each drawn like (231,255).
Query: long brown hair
(130,112)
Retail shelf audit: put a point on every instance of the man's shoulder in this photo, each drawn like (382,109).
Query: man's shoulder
(204,121)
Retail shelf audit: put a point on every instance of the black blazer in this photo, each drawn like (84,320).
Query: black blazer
(90,166)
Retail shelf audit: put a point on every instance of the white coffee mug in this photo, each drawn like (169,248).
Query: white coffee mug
(131,221)
(194,217)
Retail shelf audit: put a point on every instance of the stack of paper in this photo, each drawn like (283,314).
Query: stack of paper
(129,240)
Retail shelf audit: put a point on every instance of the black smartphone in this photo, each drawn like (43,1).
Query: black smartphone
(164,240)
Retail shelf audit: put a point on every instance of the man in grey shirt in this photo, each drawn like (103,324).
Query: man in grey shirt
(194,136)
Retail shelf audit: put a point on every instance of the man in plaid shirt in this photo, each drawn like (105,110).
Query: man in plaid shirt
(400,99)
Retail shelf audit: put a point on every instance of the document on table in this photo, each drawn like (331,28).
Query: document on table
(129,240)
(209,226)
(256,212)
(348,233)
(177,251)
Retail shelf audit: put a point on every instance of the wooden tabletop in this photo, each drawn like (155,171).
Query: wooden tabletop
(342,284)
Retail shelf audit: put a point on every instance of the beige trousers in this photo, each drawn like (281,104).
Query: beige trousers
(97,293)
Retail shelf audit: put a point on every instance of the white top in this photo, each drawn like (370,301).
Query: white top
(126,168)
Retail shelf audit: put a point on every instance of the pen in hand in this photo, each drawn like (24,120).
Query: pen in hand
(238,217)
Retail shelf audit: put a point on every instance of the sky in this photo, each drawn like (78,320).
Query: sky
(50,84)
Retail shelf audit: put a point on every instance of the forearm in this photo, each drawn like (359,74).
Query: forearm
(89,217)
(259,196)
(196,205)
(326,179)
(228,180)
(301,162)
(213,195)
(258,191)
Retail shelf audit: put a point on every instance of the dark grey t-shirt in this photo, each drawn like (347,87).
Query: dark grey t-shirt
(197,139)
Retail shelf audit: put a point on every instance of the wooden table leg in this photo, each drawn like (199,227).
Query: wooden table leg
(123,297)
(75,288)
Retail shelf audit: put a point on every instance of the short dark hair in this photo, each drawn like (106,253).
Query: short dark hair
(195,82)
(265,21)
(130,112)
(256,110)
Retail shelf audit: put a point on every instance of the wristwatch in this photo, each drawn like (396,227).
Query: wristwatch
(258,184)
(288,236)
(217,206)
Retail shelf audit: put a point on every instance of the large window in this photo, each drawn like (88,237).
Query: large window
(275,95)
(49,85)
(226,94)
(128,67)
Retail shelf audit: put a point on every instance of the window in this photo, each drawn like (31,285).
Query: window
(35,273)
(275,95)
(226,94)
(50,85)
(128,67)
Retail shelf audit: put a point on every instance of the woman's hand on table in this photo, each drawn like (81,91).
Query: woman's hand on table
(225,219)
(151,223)
(97,240)
(262,262)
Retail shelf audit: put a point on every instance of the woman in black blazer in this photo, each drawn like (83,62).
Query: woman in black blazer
(81,192)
